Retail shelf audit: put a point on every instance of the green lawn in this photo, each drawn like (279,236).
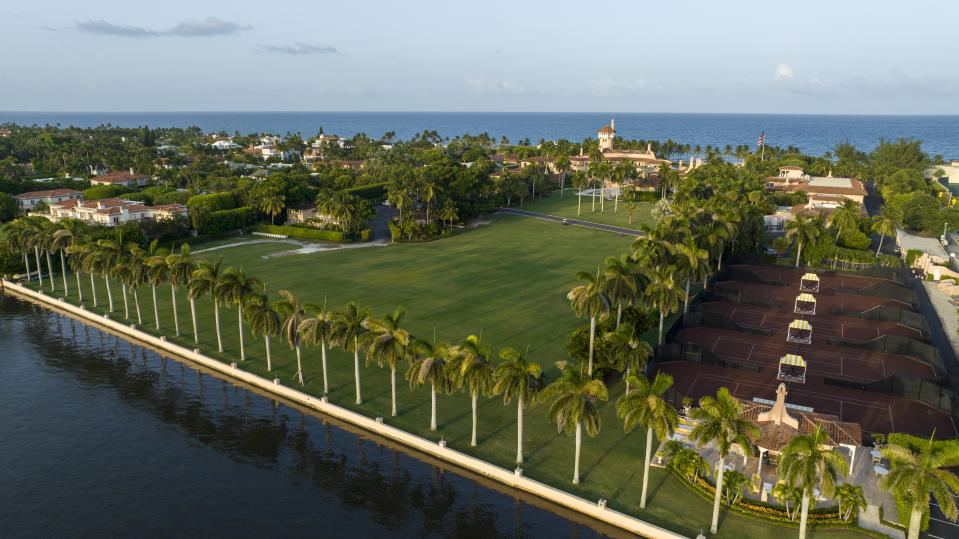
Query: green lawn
(507,280)
(567,205)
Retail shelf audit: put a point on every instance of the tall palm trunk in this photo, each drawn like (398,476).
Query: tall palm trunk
(804,515)
(106,279)
(393,388)
(326,387)
(719,490)
(79,288)
(176,317)
(686,304)
(661,327)
(356,368)
(63,271)
(136,301)
(579,203)
(798,252)
(915,520)
(93,288)
(619,313)
(269,357)
(433,407)
(579,443)
(592,337)
(53,282)
(519,430)
(474,397)
(649,449)
(216,318)
(239,320)
(36,252)
(299,364)
(719,262)
(26,263)
(156,312)
(196,334)
(126,304)
(881,237)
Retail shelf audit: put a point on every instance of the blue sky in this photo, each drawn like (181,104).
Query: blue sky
(767,57)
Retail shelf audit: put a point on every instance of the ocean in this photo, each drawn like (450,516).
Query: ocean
(812,134)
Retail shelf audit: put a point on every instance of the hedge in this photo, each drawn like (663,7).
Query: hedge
(213,202)
(226,220)
(302,232)
(374,191)
(98,192)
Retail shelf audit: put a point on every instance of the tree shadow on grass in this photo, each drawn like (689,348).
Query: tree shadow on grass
(602,457)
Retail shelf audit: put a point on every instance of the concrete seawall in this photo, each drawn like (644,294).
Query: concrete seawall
(439,450)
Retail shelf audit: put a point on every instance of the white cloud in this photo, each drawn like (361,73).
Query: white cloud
(298,49)
(210,26)
(485,85)
(784,72)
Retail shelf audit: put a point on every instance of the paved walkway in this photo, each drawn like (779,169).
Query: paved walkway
(577,222)
(305,247)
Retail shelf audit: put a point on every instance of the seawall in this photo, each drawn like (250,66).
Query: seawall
(439,450)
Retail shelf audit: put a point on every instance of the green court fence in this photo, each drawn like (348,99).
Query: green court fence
(905,346)
(884,290)
(890,313)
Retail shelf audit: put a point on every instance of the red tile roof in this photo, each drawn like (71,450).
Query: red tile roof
(118,177)
(607,129)
(48,193)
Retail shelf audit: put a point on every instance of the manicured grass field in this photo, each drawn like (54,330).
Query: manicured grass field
(507,280)
(566,206)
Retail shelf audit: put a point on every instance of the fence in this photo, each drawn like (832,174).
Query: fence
(896,315)
(905,346)
(927,392)
(884,290)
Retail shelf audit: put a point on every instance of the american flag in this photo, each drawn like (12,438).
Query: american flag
(761,139)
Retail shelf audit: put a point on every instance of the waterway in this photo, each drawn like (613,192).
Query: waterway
(102,437)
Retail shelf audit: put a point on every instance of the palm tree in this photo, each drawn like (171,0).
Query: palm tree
(785,495)
(236,287)
(76,255)
(16,233)
(662,293)
(44,241)
(590,299)
(205,279)
(63,240)
(885,224)
(448,212)
(263,318)
(918,471)
(105,255)
(158,272)
(844,217)
(725,221)
(293,315)
(428,194)
(472,369)
(348,331)
(428,365)
(89,265)
(806,464)
(318,329)
(645,406)
(652,248)
(137,276)
(691,264)
(851,497)
(181,267)
(574,406)
(32,237)
(720,421)
(620,282)
(272,204)
(804,230)
(388,343)
(733,484)
(628,352)
(517,377)
(123,272)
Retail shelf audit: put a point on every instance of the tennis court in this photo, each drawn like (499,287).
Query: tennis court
(825,326)
(828,300)
(874,412)
(792,277)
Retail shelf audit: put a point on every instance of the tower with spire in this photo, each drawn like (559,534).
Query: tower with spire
(605,136)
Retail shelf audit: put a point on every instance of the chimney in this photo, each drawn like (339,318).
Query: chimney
(649,147)
(699,162)
(132,171)
(612,124)
(99,204)
(830,174)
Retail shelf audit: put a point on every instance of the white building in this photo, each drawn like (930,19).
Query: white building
(126,179)
(28,201)
(224,145)
(113,211)
(951,170)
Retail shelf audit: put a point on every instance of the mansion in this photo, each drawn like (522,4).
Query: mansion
(646,162)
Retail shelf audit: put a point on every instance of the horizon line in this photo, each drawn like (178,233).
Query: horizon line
(291,111)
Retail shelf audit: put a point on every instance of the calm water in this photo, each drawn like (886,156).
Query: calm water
(813,134)
(100,437)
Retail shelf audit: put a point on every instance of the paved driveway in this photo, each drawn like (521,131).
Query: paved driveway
(577,222)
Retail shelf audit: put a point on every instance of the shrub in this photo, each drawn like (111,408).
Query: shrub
(912,255)
(98,192)
(222,221)
(213,202)
(648,196)
(141,197)
(375,192)
(173,197)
